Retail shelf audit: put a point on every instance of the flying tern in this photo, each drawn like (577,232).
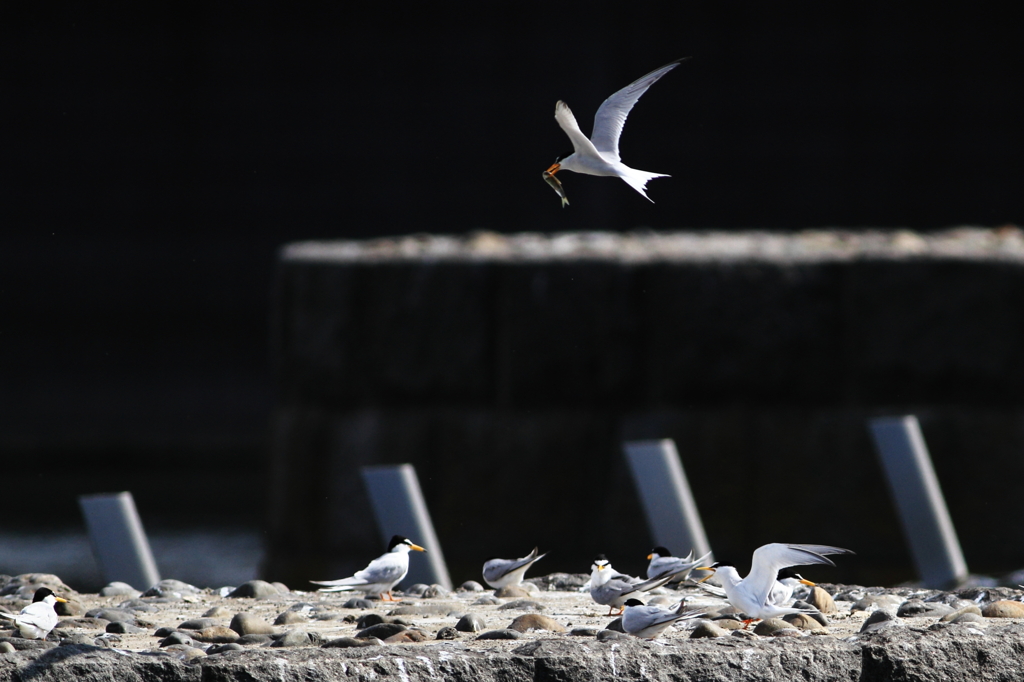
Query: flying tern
(383,573)
(599,155)
(500,573)
(37,619)
(752,595)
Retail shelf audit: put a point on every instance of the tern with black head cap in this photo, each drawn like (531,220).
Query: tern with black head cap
(610,588)
(752,595)
(383,573)
(599,155)
(500,573)
(38,618)
(662,561)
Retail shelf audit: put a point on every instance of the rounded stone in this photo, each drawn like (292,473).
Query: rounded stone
(217,612)
(290,618)
(350,642)
(707,629)
(255,589)
(583,632)
(968,617)
(880,620)
(822,600)
(224,648)
(119,589)
(197,624)
(255,639)
(185,652)
(971,608)
(357,603)
(487,600)
(405,637)
(171,588)
(470,623)
(521,605)
(121,628)
(610,635)
(435,592)
(769,626)
(112,615)
(248,624)
(727,623)
(500,634)
(511,592)
(71,607)
(7,648)
(1004,609)
(447,632)
(176,637)
(164,631)
(281,587)
(381,630)
(804,621)
(298,638)
(216,634)
(415,590)
(536,621)
(470,586)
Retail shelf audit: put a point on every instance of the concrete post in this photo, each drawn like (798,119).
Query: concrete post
(918,497)
(399,508)
(666,498)
(118,539)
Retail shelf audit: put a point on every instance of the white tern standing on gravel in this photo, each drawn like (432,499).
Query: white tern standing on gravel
(600,154)
(37,619)
(383,573)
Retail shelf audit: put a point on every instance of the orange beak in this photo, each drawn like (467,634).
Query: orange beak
(554,168)
(649,556)
(705,568)
(807,582)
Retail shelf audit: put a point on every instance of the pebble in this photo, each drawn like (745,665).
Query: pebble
(77,638)
(171,588)
(470,623)
(511,592)
(118,589)
(707,629)
(743,634)
(1003,609)
(727,623)
(224,648)
(368,619)
(915,608)
(7,648)
(876,601)
(536,621)
(122,628)
(197,624)
(357,603)
(879,620)
(176,637)
(415,590)
(583,632)
(971,608)
(216,634)
(435,592)
(381,630)
(470,586)
(217,612)
(164,631)
(71,607)
(298,638)
(770,626)
(804,621)
(487,600)
(255,639)
(112,615)
(500,634)
(816,615)
(329,615)
(248,624)
(137,605)
(281,587)
(290,618)
(521,605)
(420,610)
(405,637)
(255,589)
(348,642)
(447,632)
(822,600)
(611,635)
(184,652)
(969,617)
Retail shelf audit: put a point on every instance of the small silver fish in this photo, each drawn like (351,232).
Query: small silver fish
(557,186)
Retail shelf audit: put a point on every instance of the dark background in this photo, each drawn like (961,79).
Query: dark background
(153,160)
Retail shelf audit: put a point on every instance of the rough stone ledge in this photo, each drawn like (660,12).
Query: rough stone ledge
(962,243)
(950,653)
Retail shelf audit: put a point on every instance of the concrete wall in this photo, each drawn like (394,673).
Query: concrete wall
(510,374)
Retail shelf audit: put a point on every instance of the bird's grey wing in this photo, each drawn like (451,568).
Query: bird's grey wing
(612,113)
(580,143)
(382,570)
(769,559)
(499,568)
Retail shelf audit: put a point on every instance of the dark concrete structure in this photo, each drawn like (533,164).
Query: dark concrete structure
(509,370)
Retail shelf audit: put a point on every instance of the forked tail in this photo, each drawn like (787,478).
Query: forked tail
(638,179)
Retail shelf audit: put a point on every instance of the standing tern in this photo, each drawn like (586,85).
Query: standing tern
(610,588)
(662,560)
(647,622)
(383,573)
(751,595)
(600,154)
(500,573)
(37,619)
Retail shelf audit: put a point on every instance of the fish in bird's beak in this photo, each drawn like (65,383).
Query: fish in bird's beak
(549,177)
(417,548)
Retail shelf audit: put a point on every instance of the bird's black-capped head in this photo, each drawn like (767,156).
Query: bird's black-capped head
(633,602)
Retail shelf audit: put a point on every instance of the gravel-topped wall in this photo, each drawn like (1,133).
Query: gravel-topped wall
(509,370)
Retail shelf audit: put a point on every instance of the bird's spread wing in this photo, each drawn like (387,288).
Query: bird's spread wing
(495,569)
(612,113)
(580,143)
(769,559)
